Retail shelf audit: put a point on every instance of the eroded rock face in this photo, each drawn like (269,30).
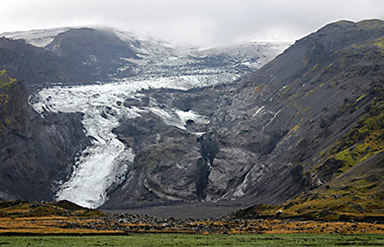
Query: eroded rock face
(35,152)
(161,172)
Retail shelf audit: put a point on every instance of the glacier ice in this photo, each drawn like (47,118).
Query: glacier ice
(101,164)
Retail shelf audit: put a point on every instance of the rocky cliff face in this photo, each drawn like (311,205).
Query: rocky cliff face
(34,151)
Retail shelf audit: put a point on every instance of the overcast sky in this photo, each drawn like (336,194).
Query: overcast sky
(196,22)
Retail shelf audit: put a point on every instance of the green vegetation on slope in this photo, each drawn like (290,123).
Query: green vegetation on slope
(6,83)
(361,142)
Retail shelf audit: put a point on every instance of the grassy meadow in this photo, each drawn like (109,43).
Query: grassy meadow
(159,240)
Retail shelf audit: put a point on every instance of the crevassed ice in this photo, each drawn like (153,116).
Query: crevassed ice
(100,165)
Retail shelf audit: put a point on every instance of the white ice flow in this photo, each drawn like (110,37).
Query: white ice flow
(100,165)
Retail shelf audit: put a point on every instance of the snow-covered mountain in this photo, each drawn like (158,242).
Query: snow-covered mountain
(150,58)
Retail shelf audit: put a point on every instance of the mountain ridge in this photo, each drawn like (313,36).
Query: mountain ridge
(143,58)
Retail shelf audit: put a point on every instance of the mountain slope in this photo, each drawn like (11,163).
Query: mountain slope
(275,129)
(353,174)
(320,97)
(34,65)
(98,52)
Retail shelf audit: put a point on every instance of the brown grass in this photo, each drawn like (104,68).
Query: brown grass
(79,221)
(72,225)
(51,225)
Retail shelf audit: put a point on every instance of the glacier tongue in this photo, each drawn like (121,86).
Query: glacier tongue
(106,161)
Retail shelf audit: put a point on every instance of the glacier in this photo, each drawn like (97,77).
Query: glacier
(100,165)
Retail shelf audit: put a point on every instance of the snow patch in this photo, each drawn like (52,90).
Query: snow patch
(39,38)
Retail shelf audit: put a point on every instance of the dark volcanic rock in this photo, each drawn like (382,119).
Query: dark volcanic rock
(201,178)
(96,52)
(141,132)
(35,65)
(35,152)
(208,147)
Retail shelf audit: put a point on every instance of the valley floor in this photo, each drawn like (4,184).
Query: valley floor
(66,224)
(127,224)
(198,210)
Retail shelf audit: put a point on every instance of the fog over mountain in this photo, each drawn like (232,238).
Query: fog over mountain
(198,22)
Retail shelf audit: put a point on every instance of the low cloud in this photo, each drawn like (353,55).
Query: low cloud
(197,22)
